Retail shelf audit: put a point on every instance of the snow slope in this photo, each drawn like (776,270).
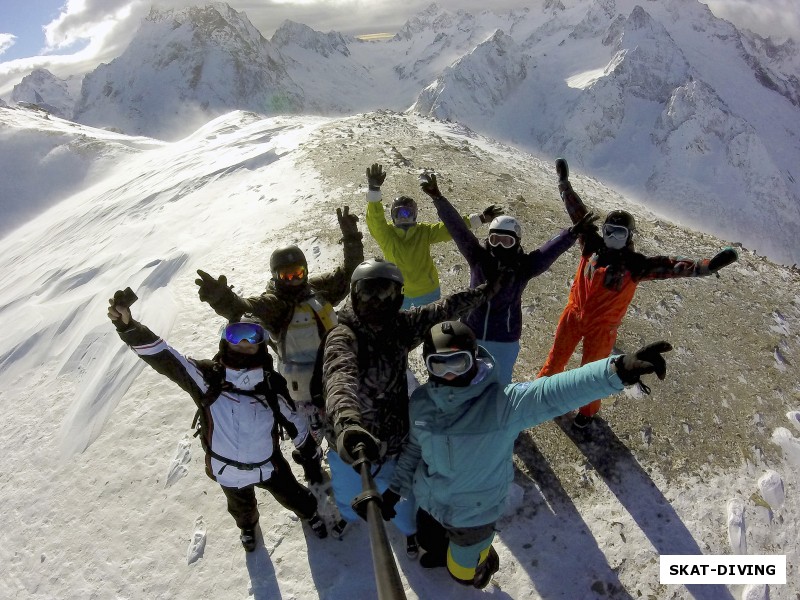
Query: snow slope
(103,489)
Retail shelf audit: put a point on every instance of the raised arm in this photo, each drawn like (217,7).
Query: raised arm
(153,350)
(465,240)
(336,285)
(576,209)
(667,267)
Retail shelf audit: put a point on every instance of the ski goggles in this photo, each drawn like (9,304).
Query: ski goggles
(505,240)
(615,232)
(404,214)
(253,333)
(377,290)
(292,273)
(456,363)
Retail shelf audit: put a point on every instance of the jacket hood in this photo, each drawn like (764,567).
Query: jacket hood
(452,399)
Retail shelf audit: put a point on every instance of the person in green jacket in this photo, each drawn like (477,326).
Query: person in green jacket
(458,461)
(407,243)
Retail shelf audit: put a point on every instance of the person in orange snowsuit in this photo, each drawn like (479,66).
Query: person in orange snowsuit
(605,282)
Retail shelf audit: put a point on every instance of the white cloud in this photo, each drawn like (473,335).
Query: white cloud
(6,41)
(776,18)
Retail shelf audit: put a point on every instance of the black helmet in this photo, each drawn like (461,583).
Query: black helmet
(376,291)
(288,256)
(621,217)
(450,352)
(377,268)
(404,211)
(450,336)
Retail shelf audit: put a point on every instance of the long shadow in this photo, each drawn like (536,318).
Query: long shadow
(635,490)
(554,544)
(262,573)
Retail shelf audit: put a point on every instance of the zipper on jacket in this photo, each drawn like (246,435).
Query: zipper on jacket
(450,452)
(486,320)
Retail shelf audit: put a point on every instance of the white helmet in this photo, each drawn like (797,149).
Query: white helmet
(506,224)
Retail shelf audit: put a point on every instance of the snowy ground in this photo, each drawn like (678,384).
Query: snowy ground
(102,487)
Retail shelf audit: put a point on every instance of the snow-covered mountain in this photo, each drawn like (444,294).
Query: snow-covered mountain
(47,91)
(184,67)
(104,493)
(692,117)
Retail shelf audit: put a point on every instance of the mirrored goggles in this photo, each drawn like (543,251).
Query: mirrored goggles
(502,239)
(293,273)
(456,363)
(377,290)
(245,332)
(404,214)
(615,232)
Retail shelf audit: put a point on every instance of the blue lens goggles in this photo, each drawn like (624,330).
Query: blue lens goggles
(252,333)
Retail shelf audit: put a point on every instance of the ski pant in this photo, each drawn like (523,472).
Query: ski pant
(284,488)
(505,356)
(409,302)
(598,342)
(346,485)
(462,549)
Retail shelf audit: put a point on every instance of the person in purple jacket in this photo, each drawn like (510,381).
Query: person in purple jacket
(497,323)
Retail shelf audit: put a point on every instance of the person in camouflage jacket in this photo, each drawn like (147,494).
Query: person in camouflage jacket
(364,373)
(297,310)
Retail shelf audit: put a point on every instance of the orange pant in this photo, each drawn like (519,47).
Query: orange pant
(598,342)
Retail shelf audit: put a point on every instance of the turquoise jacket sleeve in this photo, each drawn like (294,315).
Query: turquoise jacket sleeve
(533,402)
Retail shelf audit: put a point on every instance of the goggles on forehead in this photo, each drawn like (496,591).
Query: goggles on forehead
(456,363)
(292,273)
(245,332)
(617,232)
(502,239)
(368,290)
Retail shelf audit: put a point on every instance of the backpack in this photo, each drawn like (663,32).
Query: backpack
(265,393)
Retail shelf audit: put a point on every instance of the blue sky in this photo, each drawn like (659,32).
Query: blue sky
(25,22)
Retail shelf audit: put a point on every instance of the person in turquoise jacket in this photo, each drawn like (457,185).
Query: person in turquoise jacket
(458,459)
(407,243)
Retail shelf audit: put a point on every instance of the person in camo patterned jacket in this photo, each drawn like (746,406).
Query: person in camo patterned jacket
(605,282)
(364,373)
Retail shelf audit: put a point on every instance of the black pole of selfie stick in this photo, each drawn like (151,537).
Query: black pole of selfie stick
(387,577)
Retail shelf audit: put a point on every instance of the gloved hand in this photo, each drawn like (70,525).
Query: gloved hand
(348,223)
(390,499)
(722,259)
(562,169)
(119,314)
(213,291)
(428,184)
(490,212)
(585,225)
(353,436)
(309,456)
(375,176)
(630,367)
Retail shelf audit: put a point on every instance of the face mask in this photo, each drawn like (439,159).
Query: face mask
(615,237)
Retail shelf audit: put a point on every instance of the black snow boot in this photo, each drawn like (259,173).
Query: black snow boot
(248,539)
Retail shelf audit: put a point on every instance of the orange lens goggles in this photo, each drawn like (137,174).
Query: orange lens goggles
(292,273)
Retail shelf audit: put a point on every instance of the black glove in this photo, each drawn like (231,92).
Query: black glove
(562,169)
(390,498)
(428,184)
(722,259)
(348,223)
(630,367)
(309,456)
(490,212)
(375,176)
(585,225)
(353,436)
(213,291)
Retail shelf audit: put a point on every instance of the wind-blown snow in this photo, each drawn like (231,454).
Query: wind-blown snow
(103,492)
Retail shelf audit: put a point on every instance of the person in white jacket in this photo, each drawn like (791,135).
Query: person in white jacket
(242,404)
